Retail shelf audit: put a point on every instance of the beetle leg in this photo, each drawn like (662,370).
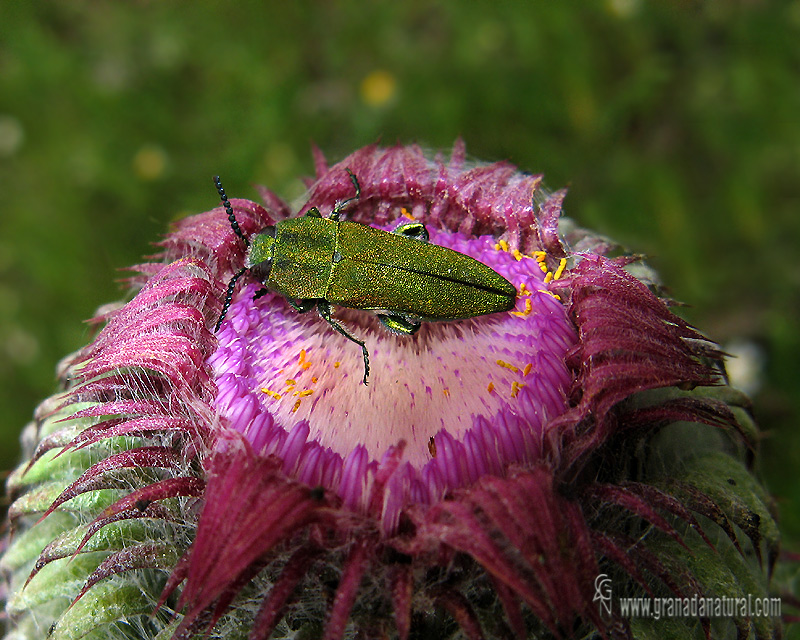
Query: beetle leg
(302,306)
(324,308)
(399,324)
(337,209)
(414,230)
(260,293)
(313,212)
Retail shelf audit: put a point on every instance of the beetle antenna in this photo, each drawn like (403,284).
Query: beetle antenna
(229,209)
(229,296)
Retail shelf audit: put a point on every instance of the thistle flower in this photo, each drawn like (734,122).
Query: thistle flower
(244,483)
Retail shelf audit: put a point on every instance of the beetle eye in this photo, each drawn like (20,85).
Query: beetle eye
(261,270)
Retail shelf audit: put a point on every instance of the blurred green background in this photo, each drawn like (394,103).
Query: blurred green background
(676,126)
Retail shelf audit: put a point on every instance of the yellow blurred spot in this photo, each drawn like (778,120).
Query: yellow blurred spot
(314,379)
(279,160)
(446,392)
(490,387)
(12,135)
(149,162)
(378,87)
(336,365)
(622,8)
(290,382)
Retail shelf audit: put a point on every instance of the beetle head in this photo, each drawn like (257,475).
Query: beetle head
(259,255)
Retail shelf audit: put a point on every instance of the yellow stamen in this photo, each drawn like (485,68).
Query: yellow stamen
(490,387)
(304,393)
(550,293)
(560,271)
(302,362)
(517,254)
(528,309)
(508,366)
(296,406)
(271,393)
(446,392)
(503,245)
(515,387)
(290,382)
(336,365)
(405,212)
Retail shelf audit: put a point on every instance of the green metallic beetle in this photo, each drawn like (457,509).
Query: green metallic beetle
(318,262)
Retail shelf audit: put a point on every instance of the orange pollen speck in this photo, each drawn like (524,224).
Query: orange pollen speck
(515,387)
(405,212)
(296,406)
(527,369)
(490,387)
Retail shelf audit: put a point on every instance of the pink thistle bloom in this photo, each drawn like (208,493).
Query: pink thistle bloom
(245,482)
